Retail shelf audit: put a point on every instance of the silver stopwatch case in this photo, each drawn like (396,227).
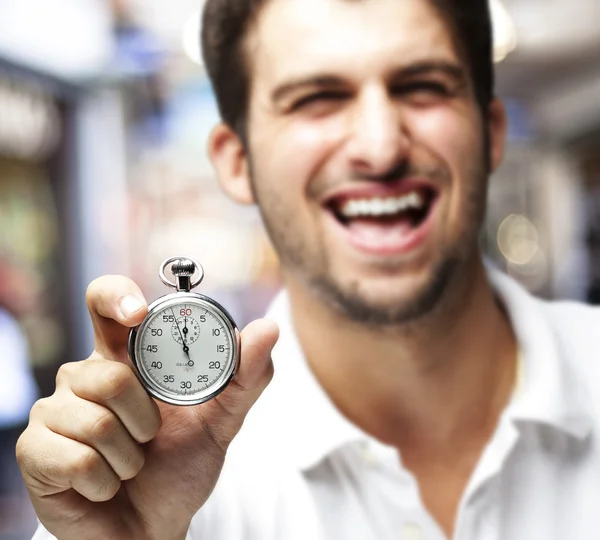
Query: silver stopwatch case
(187,349)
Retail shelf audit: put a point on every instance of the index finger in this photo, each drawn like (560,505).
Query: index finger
(116,304)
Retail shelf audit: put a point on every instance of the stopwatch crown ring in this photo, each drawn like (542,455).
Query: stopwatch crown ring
(183,268)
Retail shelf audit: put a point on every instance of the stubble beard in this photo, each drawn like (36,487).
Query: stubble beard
(310,264)
(354,305)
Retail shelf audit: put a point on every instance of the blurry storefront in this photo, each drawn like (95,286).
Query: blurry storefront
(35,263)
(543,216)
(587,154)
(33,245)
(50,112)
(569,113)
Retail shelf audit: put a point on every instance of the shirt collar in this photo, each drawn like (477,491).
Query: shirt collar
(309,424)
(310,428)
(551,391)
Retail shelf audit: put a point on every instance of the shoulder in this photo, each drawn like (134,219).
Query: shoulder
(575,325)
(576,330)
(560,341)
(572,327)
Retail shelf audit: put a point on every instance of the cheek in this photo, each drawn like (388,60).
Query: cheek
(297,150)
(452,135)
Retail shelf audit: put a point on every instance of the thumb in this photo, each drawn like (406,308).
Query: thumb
(258,340)
(116,304)
(254,374)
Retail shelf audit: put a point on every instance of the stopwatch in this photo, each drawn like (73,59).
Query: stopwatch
(187,348)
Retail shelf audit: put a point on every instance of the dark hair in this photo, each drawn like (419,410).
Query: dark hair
(226,25)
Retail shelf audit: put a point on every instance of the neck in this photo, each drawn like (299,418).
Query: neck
(443,381)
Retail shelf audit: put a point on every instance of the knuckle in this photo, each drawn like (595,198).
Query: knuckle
(93,289)
(102,426)
(65,372)
(115,381)
(100,285)
(22,448)
(84,463)
(37,461)
(41,408)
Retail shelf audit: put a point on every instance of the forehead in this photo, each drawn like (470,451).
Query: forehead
(293,37)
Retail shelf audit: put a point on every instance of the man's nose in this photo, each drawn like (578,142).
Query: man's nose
(378,140)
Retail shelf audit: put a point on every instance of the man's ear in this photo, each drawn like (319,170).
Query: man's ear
(498,125)
(229,158)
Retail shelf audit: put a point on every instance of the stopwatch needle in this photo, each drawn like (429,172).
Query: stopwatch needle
(185,332)
(186,349)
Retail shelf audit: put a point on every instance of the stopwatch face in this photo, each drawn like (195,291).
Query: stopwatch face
(186,350)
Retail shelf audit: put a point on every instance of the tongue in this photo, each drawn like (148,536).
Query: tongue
(380,231)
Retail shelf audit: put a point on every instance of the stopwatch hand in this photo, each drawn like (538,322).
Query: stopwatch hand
(186,349)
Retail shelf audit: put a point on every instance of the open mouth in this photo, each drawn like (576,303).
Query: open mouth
(385,221)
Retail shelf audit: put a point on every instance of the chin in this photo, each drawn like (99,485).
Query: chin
(391,301)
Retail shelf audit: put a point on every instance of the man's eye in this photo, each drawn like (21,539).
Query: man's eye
(319,97)
(424,87)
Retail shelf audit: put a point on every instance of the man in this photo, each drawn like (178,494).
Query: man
(416,394)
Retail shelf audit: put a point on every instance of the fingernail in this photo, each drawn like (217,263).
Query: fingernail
(130,305)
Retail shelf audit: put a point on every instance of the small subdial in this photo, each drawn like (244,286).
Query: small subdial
(186,327)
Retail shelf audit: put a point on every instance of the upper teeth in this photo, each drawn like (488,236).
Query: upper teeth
(381,207)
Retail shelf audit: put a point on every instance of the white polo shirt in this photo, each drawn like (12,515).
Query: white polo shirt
(300,471)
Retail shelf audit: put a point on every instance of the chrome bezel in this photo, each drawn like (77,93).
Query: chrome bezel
(171,300)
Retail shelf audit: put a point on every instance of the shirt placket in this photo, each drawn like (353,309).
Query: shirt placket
(478,511)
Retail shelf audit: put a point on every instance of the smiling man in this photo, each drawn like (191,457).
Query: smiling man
(417,394)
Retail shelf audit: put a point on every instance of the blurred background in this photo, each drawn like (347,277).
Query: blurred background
(104,117)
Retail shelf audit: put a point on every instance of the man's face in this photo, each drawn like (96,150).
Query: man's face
(367,152)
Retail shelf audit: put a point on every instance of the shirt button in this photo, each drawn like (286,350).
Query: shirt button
(411,531)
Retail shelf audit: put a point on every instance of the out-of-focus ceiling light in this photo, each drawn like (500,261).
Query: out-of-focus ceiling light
(505,31)
(518,239)
(191,38)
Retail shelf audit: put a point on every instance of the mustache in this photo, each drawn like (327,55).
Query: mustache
(402,170)
(399,172)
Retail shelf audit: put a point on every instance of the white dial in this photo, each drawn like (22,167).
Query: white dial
(186,350)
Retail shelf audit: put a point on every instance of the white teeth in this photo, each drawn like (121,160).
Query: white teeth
(381,207)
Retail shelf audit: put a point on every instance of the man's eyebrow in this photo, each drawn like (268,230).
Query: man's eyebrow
(314,81)
(455,71)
